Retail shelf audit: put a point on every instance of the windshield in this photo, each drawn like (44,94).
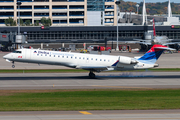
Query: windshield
(16,51)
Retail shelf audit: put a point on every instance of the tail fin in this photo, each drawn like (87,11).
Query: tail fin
(151,56)
(154,30)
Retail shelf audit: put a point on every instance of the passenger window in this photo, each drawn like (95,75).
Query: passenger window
(104,60)
(67,56)
(71,57)
(91,58)
(58,56)
(75,57)
(37,54)
(49,55)
(100,60)
(62,56)
(79,57)
(41,54)
(54,55)
(96,59)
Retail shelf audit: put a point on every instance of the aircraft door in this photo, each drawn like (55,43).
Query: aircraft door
(28,54)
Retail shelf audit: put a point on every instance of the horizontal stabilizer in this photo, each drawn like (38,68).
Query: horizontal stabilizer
(164,48)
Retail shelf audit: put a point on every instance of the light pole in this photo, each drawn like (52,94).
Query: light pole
(18,4)
(117,3)
(137,5)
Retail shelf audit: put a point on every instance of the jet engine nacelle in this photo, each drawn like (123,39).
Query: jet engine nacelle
(127,60)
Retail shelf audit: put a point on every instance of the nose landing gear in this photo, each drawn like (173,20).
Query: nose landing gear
(13,66)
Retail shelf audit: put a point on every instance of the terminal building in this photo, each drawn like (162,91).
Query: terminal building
(91,33)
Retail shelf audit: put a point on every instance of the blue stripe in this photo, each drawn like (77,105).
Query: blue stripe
(151,57)
(115,63)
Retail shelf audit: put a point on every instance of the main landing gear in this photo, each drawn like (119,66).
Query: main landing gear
(91,74)
(13,66)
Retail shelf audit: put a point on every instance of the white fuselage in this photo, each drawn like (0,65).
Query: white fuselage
(75,59)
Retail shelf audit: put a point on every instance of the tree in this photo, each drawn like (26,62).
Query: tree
(36,23)
(49,21)
(21,22)
(10,22)
(27,22)
(46,22)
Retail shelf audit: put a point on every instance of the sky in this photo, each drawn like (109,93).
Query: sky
(153,1)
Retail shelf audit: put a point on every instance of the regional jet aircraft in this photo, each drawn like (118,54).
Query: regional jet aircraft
(93,63)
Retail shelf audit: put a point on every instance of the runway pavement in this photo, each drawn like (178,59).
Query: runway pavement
(93,115)
(111,80)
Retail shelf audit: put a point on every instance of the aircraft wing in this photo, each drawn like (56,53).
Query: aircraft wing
(138,42)
(171,43)
(145,43)
(95,68)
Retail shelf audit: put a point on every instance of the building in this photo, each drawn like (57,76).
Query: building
(91,33)
(62,12)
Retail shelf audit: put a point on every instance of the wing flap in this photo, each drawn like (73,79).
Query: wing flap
(95,68)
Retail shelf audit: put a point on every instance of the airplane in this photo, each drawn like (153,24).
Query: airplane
(162,40)
(91,62)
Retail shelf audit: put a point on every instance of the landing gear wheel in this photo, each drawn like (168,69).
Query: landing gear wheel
(13,66)
(92,75)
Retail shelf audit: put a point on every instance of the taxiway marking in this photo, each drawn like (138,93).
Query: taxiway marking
(85,112)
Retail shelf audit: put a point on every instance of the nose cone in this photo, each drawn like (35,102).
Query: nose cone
(6,56)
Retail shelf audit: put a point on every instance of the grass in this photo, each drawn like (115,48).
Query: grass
(80,70)
(90,100)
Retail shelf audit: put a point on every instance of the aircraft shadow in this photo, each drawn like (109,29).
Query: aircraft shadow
(98,77)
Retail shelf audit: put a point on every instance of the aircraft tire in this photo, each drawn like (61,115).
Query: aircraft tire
(92,75)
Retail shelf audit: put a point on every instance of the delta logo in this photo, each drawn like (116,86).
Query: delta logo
(35,51)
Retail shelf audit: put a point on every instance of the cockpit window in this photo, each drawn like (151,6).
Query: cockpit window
(17,52)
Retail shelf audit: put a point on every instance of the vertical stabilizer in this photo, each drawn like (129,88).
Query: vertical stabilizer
(169,9)
(144,15)
(154,30)
(151,56)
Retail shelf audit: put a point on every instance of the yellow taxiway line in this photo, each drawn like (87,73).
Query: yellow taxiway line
(85,112)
